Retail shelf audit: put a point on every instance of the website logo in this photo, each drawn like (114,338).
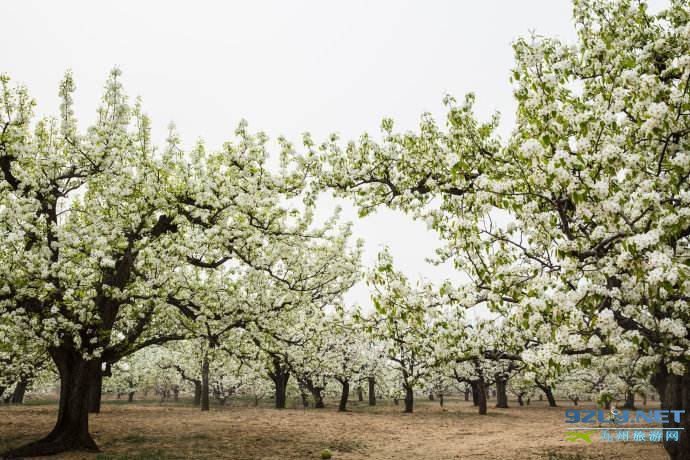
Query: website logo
(623,425)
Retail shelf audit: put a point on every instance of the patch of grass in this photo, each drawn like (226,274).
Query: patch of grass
(134,439)
(152,454)
(40,402)
(342,445)
(553,455)
(198,436)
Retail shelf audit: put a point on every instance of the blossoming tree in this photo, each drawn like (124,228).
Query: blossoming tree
(594,179)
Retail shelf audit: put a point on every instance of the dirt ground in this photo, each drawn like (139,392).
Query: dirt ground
(151,430)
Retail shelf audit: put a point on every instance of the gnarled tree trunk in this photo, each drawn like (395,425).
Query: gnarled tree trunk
(409,400)
(549,396)
(344,395)
(205,404)
(674,393)
(501,392)
(316,393)
(479,395)
(280,376)
(475,394)
(372,390)
(71,431)
(95,390)
(19,391)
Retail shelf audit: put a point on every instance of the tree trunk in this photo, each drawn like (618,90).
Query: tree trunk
(475,393)
(372,390)
(360,393)
(130,396)
(342,407)
(204,384)
(197,392)
(481,395)
(520,401)
(305,399)
(280,377)
(318,398)
(395,401)
(501,393)
(95,390)
(409,400)
(431,396)
(629,400)
(467,394)
(549,396)
(71,431)
(19,391)
(176,393)
(440,399)
(674,393)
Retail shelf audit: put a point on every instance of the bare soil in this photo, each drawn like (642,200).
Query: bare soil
(153,430)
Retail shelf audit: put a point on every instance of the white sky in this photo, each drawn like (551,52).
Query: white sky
(285,66)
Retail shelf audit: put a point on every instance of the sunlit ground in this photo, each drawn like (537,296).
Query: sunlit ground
(151,430)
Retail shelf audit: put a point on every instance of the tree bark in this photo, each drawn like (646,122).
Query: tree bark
(409,400)
(130,396)
(674,393)
(475,393)
(280,377)
(520,401)
(549,395)
(481,395)
(176,393)
(318,398)
(71,431)
(344,395)
(467,394)
(501,392)
(19,391)
(204,384)
(440,399)
(360,393)
(372,390)
(95,390)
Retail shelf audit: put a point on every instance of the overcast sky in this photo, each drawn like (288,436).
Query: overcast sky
(285,66)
